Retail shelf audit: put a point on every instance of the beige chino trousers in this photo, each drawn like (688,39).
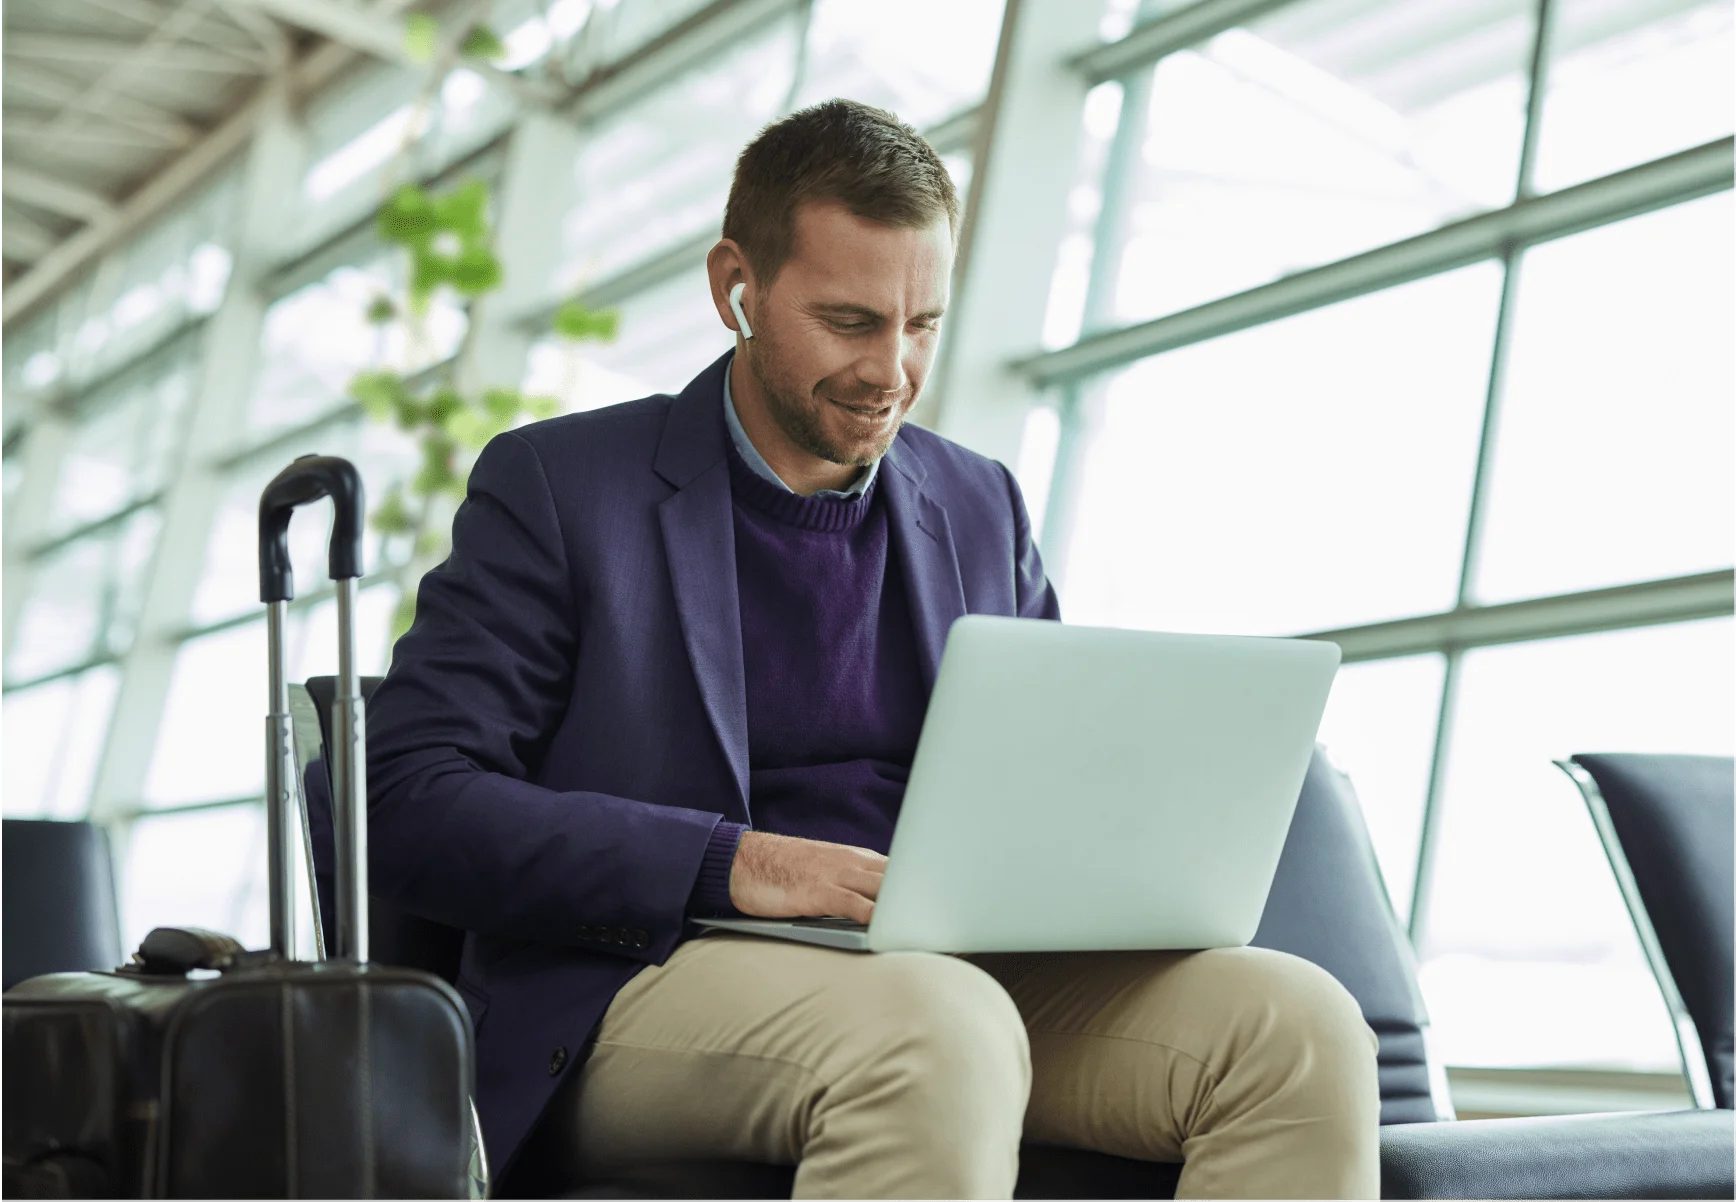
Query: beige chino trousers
(912,1074)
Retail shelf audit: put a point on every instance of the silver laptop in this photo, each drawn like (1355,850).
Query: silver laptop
(1085,789)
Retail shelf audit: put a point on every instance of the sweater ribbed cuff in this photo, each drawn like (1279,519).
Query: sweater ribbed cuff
(710,896)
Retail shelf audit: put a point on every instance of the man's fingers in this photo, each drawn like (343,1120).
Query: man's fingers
(863,882)
(845,903)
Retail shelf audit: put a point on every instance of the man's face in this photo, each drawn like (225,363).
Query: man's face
(845,334)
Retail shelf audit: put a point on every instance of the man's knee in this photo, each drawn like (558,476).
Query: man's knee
(1298,1013)
(938,1023)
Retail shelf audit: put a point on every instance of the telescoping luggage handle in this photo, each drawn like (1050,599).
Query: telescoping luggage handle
(310,478)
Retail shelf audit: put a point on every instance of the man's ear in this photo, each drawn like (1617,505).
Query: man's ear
(730,279)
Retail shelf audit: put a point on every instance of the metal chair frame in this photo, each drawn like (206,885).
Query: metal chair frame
(1688,1046)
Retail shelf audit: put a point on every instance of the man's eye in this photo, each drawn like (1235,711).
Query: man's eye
(849,327)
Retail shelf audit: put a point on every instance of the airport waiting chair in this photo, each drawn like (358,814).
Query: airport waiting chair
(59,899)
(1668,825)
(1329,905)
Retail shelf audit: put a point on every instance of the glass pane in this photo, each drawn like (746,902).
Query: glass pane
(1310,136)
(1310,474)
(1064,317)
(1529,955)
(1379,729)
(229,583)
(126,442)
(210,746)
(84,598)
(203,869)
(317,338)
(668,334)
(1612,462)
(614,29)
(1631,81)
(866,52)
(657,173)
(169,276)
(54,735)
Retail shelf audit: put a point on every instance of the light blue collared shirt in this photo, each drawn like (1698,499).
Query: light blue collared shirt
(757,462)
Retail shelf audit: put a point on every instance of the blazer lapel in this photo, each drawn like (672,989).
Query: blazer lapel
(922,539)
(699,540)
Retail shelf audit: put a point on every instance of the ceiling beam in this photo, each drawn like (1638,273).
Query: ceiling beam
(109,52)
(127,110)
(49,132)
(23,239)
(360,29)
(55,195)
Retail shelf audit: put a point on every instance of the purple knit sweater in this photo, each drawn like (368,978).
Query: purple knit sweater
(835,697)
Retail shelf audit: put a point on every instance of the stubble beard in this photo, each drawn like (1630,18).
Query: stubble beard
(799,415)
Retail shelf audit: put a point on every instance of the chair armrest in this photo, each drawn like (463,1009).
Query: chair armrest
(1666,1154)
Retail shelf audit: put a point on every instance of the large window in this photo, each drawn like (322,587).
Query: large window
(1359,453)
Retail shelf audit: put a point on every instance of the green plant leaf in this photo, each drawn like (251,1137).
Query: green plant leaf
(427,272)
(483,43)
(436,474)
(464,211)
(443,404)
(421,37)
(378,392)
(381,310)
(467,428)
(503,404)
(574,321)
(542,407)
(407,217)
(393,516)
(404,616)
(429,543)
(475,271)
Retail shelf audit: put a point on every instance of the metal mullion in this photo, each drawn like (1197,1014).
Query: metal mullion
(1541,39)
(1489,433)
(1109,241)
(1147,42)
(1428,837)
(1675,178)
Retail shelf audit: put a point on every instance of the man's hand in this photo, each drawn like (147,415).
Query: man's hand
(775,876)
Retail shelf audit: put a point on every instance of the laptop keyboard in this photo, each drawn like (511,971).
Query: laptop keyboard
(829,924)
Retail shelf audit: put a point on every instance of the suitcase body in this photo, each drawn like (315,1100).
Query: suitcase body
(275,1079)
(205,1071)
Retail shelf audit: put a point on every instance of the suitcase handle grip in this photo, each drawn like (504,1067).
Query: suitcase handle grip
(308,479)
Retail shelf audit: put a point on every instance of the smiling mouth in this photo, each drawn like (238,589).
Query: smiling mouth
(867,413)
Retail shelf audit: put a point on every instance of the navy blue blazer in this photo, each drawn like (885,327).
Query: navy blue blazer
(566,721)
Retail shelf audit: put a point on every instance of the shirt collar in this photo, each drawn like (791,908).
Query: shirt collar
(757,464)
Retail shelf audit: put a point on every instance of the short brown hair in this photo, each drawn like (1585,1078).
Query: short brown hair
(842,151)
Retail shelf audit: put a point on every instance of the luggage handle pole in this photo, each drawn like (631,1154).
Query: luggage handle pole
(308,479)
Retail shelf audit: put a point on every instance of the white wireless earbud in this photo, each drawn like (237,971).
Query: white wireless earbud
(735,307)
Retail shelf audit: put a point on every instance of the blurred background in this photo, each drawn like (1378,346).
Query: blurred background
(1405,323)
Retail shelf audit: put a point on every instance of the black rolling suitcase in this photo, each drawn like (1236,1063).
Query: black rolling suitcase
(205,1071)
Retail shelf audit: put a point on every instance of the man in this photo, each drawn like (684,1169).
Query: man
(676,665)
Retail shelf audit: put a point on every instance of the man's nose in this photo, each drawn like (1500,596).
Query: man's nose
(882,366)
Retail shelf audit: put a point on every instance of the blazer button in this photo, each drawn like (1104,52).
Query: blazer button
(641,940)
(557,1062)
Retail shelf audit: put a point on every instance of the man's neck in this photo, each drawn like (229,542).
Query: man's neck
(805,473)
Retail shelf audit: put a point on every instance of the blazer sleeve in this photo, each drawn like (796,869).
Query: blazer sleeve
(1035,595)
(478,686)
